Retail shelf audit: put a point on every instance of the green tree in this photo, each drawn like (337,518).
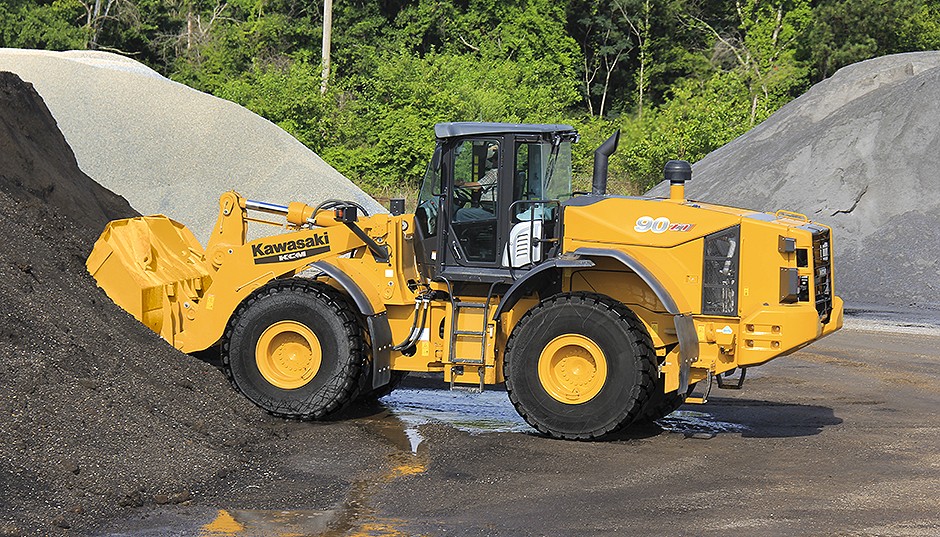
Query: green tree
(763,51)
(637,16)
(385,133)
(849,31)
(605,45)
(921,30)
(698,118)
(46,25)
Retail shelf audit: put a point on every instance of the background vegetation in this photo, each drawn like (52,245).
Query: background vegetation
(679,77)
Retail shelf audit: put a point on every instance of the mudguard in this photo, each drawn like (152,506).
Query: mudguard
(379,329)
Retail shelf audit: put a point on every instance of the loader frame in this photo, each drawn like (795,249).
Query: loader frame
(497,251)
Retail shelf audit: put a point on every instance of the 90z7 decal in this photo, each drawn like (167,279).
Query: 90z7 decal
(659,225)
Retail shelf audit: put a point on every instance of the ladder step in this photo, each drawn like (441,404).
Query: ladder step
(458,370)
(467,361)
(476,336)
(465,389)
(469,333)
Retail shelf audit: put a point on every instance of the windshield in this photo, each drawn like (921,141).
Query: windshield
(426,212)
(558,176)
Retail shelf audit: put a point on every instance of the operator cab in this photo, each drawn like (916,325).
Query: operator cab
(489,203)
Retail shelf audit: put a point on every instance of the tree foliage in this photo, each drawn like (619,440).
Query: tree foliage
(678,77)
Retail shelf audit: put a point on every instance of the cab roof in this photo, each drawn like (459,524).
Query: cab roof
(469,128)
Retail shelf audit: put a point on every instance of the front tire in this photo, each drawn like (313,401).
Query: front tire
(579,366)
(295,349)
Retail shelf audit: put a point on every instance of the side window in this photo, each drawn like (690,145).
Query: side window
(476,167)
(475,197)
(527,179)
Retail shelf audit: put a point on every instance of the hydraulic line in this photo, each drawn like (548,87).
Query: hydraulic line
(421,303)
(333,203)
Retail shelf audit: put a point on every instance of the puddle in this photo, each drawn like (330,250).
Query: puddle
(250,523)
(402,433)
(698,424)
(475,413)
(356,517)
(203,522)
(491,412)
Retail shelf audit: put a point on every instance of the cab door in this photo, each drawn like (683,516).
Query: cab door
(474,169)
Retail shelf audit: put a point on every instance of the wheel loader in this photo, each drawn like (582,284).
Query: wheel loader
(597,311)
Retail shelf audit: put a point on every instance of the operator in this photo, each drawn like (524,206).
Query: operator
(467,200)
(476,200)
(489,180)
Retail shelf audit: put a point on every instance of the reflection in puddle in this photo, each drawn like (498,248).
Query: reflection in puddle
(256,522)
(224,524)
(357,517)
(690,422)
(487,412)
(492,412)
(414,438)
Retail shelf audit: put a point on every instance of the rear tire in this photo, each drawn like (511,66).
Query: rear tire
(659,406)
(579,366)
(295,349)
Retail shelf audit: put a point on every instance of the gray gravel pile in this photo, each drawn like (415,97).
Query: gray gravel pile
(168,148)
(860,152)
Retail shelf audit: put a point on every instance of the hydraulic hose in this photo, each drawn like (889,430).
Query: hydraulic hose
(416,328)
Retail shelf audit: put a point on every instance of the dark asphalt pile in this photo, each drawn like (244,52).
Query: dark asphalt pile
(859,152)
(97,414)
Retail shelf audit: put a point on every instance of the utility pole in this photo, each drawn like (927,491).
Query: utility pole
(327,34)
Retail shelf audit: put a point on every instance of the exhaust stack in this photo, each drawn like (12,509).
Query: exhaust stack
(677,172)
(601,156)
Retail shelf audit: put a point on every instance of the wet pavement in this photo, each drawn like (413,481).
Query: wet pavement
(842,438)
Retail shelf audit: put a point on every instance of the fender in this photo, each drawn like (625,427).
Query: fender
(636,267)
(534,278)
(685,328)
(379,329)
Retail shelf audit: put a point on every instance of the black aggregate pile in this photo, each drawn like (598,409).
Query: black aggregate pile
(97,414)
(859,152)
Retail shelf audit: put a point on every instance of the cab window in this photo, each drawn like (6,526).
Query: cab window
(475,198)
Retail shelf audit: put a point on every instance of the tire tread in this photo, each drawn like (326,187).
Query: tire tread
(321,404)
(639,336)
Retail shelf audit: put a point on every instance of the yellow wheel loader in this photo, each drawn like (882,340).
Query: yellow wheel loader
(596,311)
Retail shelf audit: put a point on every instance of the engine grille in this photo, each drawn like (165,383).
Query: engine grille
(720,272)
(822,273)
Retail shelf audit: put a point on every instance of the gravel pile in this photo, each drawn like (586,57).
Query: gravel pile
(168,148)
(97,414)
(860,152)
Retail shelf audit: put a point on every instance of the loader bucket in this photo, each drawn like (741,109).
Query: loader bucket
(153,267)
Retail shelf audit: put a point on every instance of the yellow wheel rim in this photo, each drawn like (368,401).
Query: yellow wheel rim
(572,369)
(288,355)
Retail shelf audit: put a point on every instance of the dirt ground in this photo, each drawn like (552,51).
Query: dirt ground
(838,439)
